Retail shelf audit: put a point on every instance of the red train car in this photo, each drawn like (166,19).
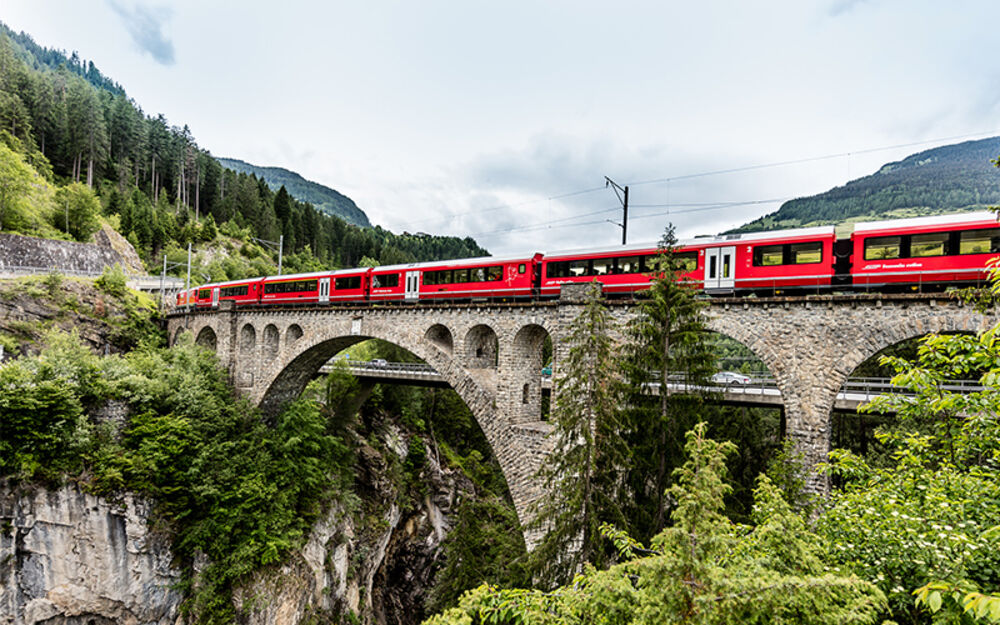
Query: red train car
(780,262)
(240,291)
(620,270)
(924,253)
(487,277)
(772,262)
(302,288)
(347,286)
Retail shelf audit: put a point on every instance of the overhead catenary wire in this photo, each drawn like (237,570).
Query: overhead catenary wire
(669,179)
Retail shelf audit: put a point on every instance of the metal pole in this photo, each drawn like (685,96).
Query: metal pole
(281,245)
(163,277)
(187,295)
(625,216)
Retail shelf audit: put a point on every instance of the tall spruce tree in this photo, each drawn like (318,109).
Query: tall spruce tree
(584,474)
(666,339)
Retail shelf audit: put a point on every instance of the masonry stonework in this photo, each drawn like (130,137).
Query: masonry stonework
(491,355)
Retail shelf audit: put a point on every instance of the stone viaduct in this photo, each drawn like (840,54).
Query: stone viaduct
(491,354)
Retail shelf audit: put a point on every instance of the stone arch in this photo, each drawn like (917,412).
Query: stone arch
(248,339)
(292,334)
(482,347)
(440,336)
(207,338)
(284,380)
(889,334)
(271,341)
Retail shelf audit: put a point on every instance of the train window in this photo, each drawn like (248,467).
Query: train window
(578,268)
(985,241)
(602,266)
(650,263)
(878,248)
(629,264)
(204,293)
(521,268)
(932,244)
(461,275)
(494,273)
(351,282)
(557,270)
(385,281)
(234,291)
(687,261)
(479,274)
(805,253)
(768,255)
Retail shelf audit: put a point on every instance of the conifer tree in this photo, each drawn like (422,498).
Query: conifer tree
(583,475)
(668,339)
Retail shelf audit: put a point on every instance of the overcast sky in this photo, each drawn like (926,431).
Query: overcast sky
(500,120)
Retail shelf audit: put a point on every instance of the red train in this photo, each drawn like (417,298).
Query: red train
(924,253)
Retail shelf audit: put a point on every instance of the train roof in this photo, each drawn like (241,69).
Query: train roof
(480,260)
(725,239)
(934,220)
(316,274)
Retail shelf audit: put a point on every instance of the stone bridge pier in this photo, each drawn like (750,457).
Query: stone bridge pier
(812,345)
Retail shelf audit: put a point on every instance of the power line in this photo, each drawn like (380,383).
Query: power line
(708,206)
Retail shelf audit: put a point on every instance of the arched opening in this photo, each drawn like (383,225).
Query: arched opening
(482,347)
(248,339)
(524,367)
(421,436)
(745,408)
(271,341)
(439,336)
(206,338)
(854,430)
(292,334)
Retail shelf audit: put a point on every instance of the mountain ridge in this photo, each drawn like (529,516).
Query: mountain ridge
(324,198)
(950,178)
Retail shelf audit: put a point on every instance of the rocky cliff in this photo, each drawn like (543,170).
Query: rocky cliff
(70,558)
(67,557)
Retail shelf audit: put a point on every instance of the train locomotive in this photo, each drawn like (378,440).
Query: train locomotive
(919,254)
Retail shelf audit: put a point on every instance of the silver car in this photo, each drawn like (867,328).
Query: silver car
(730,377)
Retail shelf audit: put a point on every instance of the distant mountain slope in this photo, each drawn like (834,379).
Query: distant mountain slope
(946,179)
(322,197)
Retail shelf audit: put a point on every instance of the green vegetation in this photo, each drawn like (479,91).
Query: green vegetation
(702,569)
(941,180)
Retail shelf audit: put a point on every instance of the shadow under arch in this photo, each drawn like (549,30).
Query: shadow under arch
(206,338)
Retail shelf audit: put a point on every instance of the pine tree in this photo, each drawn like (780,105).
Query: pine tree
(668,339)
(583,475)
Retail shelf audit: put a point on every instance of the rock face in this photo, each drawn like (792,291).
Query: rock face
(18,252)
(376,563)
(67,557)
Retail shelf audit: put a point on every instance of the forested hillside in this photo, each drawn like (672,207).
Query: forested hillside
(73,154)
(946,179)
(328,200)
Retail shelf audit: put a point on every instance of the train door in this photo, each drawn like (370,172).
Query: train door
(324,290)
(412,285)
(215,297)
(720,267)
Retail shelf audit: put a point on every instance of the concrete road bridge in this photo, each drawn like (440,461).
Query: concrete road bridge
(491,354)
